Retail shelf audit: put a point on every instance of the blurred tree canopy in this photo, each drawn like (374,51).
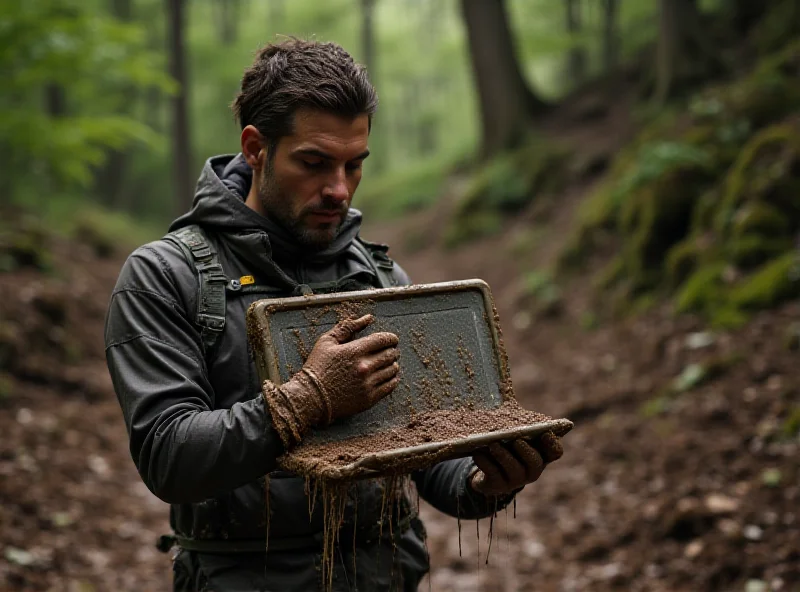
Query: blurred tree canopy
(91,108)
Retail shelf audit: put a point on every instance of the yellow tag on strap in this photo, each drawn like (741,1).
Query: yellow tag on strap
(246,280)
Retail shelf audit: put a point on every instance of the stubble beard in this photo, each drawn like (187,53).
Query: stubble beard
(277,205)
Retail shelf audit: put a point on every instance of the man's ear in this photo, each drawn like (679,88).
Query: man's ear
(253,147)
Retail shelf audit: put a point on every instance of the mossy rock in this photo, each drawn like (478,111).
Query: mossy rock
(26,246)
(779,25)
(510,181)
(775,282)
(92,233)
(659,216)
(703,290)
(476,225)
(760,218)
(764,172)
(751,250)
(682,260)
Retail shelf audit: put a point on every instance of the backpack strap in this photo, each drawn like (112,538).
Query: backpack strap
(379,260)
(210,316)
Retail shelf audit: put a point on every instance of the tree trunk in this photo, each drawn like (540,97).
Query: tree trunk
(369,59)
(181,145)
(576,58)
(507,105)
(108,179)
(610,35)
(229,12)
(684,50)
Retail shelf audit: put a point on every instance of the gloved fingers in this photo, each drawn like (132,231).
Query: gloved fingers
(384,389)
(345,330)
(513,469)
(384,358)
(382,375)
(549,447)
(374,343)
(490,478)
(530,458)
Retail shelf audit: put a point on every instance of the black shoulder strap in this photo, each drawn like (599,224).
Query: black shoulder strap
(211,284)
(382,264)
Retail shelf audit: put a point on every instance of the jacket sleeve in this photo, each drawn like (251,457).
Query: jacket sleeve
(185,450)
(444,485)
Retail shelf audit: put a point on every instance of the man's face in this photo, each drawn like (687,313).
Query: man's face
(308,184)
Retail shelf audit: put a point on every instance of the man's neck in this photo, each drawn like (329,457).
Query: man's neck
(252,201)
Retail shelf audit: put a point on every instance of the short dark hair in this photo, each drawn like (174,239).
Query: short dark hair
(293,74)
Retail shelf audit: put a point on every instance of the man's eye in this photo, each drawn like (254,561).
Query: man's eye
(353,166)
(313,164)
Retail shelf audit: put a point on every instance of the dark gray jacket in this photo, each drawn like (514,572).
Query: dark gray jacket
(200,434)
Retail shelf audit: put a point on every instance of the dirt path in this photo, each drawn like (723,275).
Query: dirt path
(696,490)
(74,514)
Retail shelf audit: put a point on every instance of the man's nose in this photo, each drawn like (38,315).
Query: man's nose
(337,188)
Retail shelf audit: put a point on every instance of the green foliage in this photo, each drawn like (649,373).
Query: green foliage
(56,122)
(705,205)
(398,192)
(791,425)
(539,286)
(473,227)
(505,185)
(775,282)
(24,243)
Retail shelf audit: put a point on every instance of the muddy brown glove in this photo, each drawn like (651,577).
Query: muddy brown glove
(341,377)
(505,468)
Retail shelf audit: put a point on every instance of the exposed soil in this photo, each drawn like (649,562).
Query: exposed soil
(657,490)
(327,459)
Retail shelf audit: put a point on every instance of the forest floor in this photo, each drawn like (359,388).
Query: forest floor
(663,486)
(688,491)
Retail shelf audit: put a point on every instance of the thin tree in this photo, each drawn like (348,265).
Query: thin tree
(108,181)
(181,145)
(229,12)
(507,104)
(576,57)
(684,50)
(610,34)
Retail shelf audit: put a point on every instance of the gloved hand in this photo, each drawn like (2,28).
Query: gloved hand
(505,468)
(341,377)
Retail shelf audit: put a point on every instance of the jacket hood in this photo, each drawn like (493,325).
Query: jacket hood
(219,205)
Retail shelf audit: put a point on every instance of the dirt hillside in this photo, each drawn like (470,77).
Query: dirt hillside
(665,485)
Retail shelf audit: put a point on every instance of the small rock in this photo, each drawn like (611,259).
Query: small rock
(693,549)
(24,416)
(534,549)
(700,340)
(61,519)
(750,394)
(792,337)
(776,584)
(774,383)
(717,503)
(692,375)
(771,477)
(20,556)
(755,586)
(98,465)
(730,528)
(752,532)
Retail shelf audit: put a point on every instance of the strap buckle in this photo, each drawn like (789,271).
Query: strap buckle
(211,321)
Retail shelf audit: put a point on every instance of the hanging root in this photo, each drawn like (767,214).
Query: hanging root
(334,501)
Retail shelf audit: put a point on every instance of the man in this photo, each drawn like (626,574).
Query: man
(276,220)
